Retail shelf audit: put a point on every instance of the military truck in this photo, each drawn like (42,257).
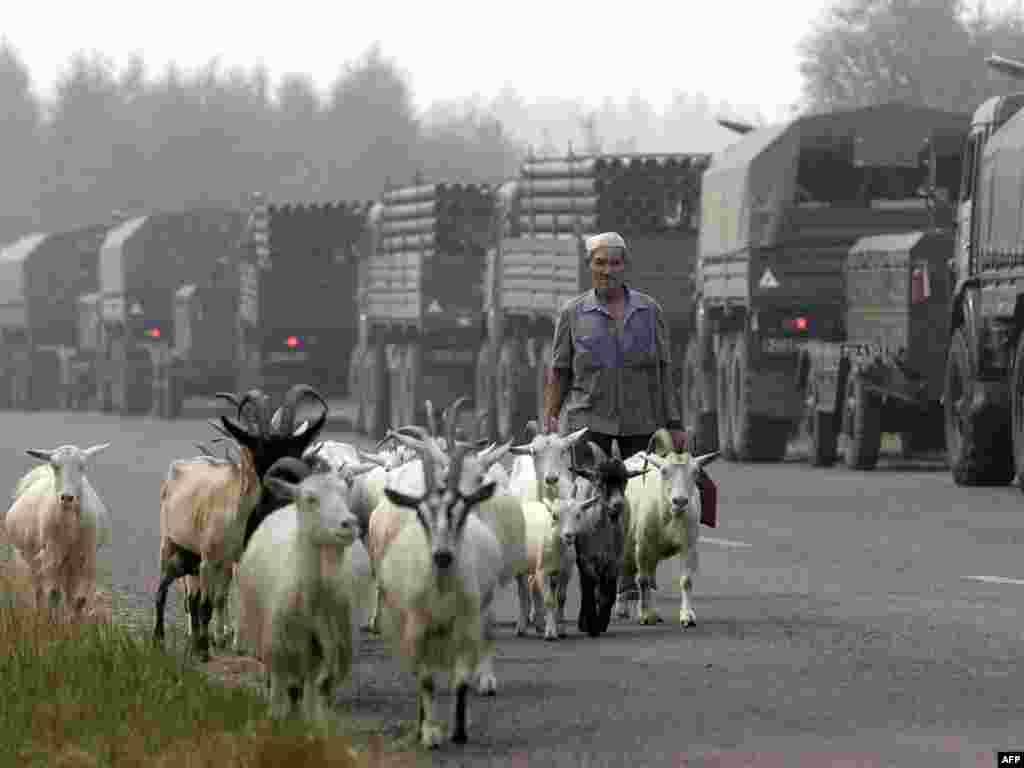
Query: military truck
(307,295)
(984,378)
(15,336)
(887,375)
(420,299)
(47,274)
(780,210)
(166,318)
(537,261)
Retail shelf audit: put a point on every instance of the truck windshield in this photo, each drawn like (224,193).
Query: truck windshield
(828,176)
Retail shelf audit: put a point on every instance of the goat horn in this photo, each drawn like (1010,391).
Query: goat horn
(431,418)
(380,461)
(231,397)
(292,398)
(453,419)
(600,457)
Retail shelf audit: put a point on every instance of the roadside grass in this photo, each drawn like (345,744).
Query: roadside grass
(93,695)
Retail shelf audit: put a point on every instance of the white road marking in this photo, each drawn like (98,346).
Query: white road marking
(724,542)
(995,579)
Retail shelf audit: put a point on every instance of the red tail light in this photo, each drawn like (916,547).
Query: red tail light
(920,284)
(796,324)
(153,333)
(292,342)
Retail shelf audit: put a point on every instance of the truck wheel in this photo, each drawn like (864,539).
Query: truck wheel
(1017,412)
(979,453)
(375,381)
(406,384)
(724,398)
(692,397)
(546,348)
(508,390)
(485,390)
(862,424)
(355,385)
(821,429)
(754,437)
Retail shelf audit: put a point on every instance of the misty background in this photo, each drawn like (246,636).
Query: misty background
(137,141)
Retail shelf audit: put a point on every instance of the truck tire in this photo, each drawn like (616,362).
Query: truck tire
(406,384)
(862,424)
(355,385)
(754,437)
(546,347)
(724,400)
(1017,412)
(484,390)
(692,397)
(508,390)
(822,434)
(978,453)
(375,386)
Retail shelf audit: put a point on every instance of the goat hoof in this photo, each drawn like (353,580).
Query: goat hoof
(431,735)
(562,634)
(488,686)
(460,737)
(649,619)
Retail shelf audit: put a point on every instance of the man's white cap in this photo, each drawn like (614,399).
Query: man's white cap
(605,240)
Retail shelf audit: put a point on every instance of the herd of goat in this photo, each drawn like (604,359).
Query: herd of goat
(308,532)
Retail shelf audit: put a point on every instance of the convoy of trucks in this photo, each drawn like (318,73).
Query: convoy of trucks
(843,274)
(780,210)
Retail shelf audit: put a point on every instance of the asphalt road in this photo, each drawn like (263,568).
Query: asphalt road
(844,618)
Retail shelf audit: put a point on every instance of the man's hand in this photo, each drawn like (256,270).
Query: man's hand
(678,440)
(552,425)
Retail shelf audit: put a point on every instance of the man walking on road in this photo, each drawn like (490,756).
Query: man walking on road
(611,363)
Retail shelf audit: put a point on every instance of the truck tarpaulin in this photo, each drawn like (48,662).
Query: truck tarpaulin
(999,191)
(12,280)
(751,186)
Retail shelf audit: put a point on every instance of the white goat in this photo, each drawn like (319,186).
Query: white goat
(541,467)
(296,595)
(57,523)
(665,511)
(551,529)
(437,580)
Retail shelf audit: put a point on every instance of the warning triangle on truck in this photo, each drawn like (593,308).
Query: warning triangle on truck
(768,279)
(434,307)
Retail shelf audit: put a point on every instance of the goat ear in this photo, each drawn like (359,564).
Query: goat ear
(39,453)
(282,489)
(705,459)
(400,499)
(95,449)
(481,494)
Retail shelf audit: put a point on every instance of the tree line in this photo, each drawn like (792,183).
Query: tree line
(132,141)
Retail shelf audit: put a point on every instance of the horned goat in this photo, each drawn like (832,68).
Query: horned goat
(600,550)
(209,511)
(57,523)
(437,581)
(297,593)
(665,515)
(542,466)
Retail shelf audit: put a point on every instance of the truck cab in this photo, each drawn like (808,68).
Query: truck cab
(984,377)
